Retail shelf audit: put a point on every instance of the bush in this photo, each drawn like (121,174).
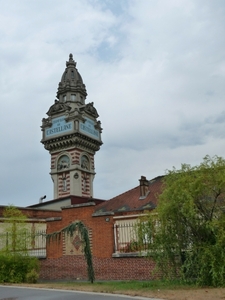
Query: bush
(32,276)
(15,268)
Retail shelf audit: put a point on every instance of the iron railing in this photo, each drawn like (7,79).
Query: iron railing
(127,240)
(31,243)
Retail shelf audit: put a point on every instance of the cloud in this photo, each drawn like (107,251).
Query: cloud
(155,71)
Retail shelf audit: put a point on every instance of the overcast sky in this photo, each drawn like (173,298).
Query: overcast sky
(155,70)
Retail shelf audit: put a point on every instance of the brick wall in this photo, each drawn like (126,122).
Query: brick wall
(75,268)
(60,265)
(66,267)
(102,230)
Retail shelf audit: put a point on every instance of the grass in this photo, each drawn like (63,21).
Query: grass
(170,290)
(120,286)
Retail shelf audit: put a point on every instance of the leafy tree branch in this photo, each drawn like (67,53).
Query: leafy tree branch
(189,242)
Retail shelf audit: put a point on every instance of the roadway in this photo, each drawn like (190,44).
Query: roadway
(23,293)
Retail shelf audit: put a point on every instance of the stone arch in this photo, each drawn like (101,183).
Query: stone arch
(63,162)
(85,162)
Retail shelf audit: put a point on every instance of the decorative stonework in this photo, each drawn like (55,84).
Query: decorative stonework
(63,163)
(85,184)
(73,245)
(77,242)
(58,107)
(90,109)
(63,184)
(72,140)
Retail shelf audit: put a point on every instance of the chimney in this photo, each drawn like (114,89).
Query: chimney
(42,198)
(144,191)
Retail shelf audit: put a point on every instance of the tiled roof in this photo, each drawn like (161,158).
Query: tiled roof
(131,200)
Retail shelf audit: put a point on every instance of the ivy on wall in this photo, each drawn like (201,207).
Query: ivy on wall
(69,230)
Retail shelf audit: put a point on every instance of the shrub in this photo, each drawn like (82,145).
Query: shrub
(32,276)
(14,268)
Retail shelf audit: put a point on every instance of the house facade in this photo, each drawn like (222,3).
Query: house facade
(111,227)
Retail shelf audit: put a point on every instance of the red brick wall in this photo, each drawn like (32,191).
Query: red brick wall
(66,267)
(129,268)
(75,267)
(102,231)
(54,246)
(59,266)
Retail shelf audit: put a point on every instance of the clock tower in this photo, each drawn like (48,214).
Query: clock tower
(72,134)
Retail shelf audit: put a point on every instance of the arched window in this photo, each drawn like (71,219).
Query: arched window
(85,162)
(73,97)
(63,163)
(64,77)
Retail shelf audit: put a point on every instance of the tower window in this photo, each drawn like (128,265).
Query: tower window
(64,98)
(64,77)
(63,163)
(85,162)
(73,97)
(72,74)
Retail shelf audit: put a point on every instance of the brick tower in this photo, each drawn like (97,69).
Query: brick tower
(72,134)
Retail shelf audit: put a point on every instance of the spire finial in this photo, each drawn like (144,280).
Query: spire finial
(71,61)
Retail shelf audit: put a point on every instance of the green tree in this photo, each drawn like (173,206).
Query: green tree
(15,263)
(188,226)
(15,233)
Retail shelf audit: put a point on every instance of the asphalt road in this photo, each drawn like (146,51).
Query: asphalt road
(22,293)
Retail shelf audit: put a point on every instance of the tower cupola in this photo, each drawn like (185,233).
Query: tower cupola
(71,87)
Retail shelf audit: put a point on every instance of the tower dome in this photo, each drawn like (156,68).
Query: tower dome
(71,84)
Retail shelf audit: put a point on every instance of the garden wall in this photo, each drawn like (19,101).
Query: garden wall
(75,268)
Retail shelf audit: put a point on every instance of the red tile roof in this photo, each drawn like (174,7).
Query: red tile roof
(131,200)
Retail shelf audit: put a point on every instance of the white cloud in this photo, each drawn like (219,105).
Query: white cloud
(154,69)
